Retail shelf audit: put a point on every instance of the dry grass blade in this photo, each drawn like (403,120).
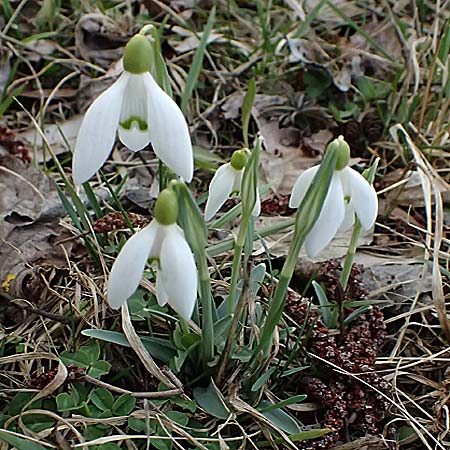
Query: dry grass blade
(57,381)
(432,184)
(141,351)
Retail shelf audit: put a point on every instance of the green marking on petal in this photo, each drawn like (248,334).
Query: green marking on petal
(128,124)
(347,198)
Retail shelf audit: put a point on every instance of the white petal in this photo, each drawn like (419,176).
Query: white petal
(349,218)
(127,270)
(329,220)
(98,132)
(220,189)
(363,197)
(178,273)
(169,131)
(161,294)
(301,186)
(257,209)
(135,100)
(134,139)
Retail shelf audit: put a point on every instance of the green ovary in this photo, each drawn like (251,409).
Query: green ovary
(128,124)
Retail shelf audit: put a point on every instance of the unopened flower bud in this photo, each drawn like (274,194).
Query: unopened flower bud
(137,56)
(238,159)
(166,207)
(343,152)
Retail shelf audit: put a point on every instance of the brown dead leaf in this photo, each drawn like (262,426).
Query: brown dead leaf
(278,243)
(287,155)
(29,213)
(57,136)
(100,39)
(191,41)
(327,13)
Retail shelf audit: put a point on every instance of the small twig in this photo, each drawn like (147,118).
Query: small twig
(39,312)
(118,390)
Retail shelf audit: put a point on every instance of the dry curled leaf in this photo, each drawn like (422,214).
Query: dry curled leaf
(29,213)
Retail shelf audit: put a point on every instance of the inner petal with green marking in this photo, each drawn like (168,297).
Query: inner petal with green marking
(134,129)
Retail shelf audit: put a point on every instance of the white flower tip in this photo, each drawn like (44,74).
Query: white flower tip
(114,301)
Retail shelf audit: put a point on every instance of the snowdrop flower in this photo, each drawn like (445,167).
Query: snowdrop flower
(140,112)
(225,181)
(162,241)
(349,194)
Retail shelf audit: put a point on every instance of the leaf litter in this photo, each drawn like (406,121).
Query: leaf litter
(411,227)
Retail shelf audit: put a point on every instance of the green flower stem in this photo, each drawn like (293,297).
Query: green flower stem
(233,329)
(236,267)
(279,298)
(350,256)
(207,313)
(306,217)
(369,174)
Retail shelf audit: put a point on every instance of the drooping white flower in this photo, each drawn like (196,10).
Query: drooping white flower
(225,181)
(176,278)
(140,112)
(349,194)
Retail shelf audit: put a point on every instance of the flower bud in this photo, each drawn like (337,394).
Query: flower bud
(138,55)
(166,207)
(239,159)
(342,150)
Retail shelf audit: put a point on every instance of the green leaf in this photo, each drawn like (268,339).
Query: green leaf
(178,417)
(124,405)
(212,401)
(190,339)
(282,404)
(69,402)
(137,425)
(247,105)
(197,62)
(189,405)
(262,379)
(99,368)
(280,419)
(18,442)
(102,398)
(327,309)
(74,359)
(108,446)
(302,436)
(221,328)
(316,82)
(159,348)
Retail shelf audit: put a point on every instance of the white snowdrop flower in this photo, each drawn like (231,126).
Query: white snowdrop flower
(225,181)
(349,194)
(162,241)
(140,112)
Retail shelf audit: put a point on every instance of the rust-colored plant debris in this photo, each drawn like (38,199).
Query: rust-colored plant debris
(352,394)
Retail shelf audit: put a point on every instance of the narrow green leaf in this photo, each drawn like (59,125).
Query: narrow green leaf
(159,348)
(326,307)
(212,401)
(247,106)
(197,62)
(18,442)
(262,379)
(302,436)
(287,402)
(280,419)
